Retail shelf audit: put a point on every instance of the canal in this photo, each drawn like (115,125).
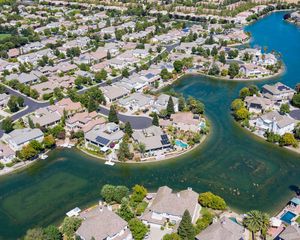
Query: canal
(248,172)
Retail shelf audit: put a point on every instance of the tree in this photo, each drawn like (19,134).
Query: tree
(233,69)
(178,65)
(165,74)
(237,104)
(69,226)
(34,94)
(124,152)
(52,233)
(138,229)
(211,200)
(125,211)
(296,100)
(253,90)
(13,104)
(172,236)
(222,57)
(30,123)
(27,152)
(107,192)
(241,114)
(186,229)
(142,148)
(125,73)
(49,141)
(155,120)
(284,108)
(256,221)
(139,193)
(181,103)
(34,234)
(36,145)
(170,106)
(7,125)
(214,70)
(112,115)
(244,92)
(196,106)
(288,139)
(108,56)
(120,193)
(100,76)
(128,129)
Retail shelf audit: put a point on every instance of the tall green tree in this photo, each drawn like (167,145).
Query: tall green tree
(138,229)
(128,129)
(155,120)
(233,69)
(70,226)
(112,115)
(186,229)
(7,125)
(170,106)
(52,233)
(181,103)
(125,211)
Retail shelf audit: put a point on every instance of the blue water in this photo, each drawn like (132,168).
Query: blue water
(283,37)
(181,144)
(287,217)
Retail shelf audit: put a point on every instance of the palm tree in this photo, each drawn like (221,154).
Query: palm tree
(257,221)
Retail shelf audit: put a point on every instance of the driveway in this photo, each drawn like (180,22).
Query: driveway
(157,234)
(137,122)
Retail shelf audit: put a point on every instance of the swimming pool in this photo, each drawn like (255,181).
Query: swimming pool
(287,217)
(181,144)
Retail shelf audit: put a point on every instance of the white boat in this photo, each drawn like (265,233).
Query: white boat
(74,212)
(43,156)
(110,163)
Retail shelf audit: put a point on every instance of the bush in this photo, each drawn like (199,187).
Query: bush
(112,193)
(210,200)
(237,104)
(296,100)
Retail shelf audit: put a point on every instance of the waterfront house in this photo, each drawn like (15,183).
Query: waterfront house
(168,206)
(253,70)
(278,92)
(6,154)
(153,138)
(292,232)
(223,229)
(102,136)
(20,137)
(101,223)
(185,121)
(274,122)
(256,104)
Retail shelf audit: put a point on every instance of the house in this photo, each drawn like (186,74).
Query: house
(14,52)
(136,101)
(168,206)
(113,93)
(20,137)
(223,229)
(79,120)
(35,56)
(68,106)
(292,232)
(185,121)
(4,98)
(253,70)
(274,122)
(153,138)
(45,87)
(27,78)
(101,223)
(6,154)
(45,117)
(162,101)
(278,92)
(256,104)
(102,136)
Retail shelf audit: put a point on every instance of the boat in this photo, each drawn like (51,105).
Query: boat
(110,163)
(73,212)
(43,156)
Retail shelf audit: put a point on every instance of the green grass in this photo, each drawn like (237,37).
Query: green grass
(3,36)
(298,220)
(33,200)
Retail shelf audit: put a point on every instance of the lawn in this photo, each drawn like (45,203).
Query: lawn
(2,36)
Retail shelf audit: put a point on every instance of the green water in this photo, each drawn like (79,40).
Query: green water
(248,172)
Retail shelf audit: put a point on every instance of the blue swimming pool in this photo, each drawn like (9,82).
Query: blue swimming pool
(287,217)
(181,144)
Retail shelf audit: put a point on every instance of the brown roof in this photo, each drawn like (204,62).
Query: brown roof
(184,117)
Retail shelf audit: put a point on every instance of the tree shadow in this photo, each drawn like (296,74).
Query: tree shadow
(295,189)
